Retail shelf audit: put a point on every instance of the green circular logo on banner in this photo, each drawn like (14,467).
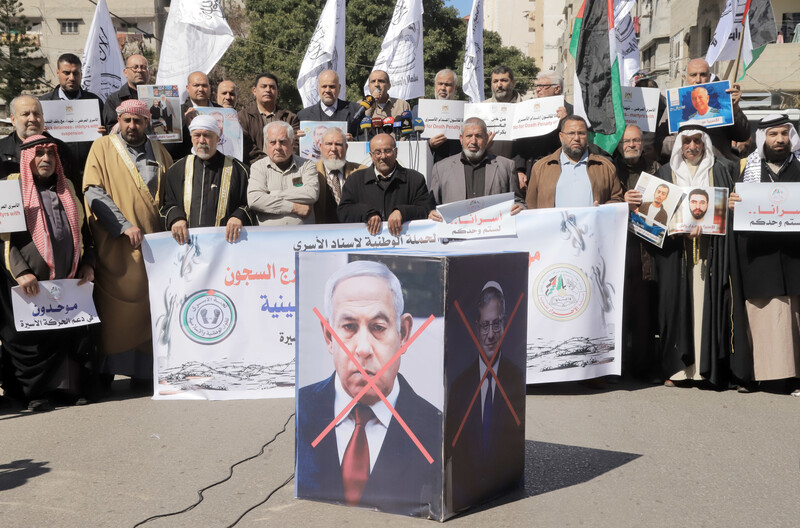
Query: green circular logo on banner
(208,317)
(561,292)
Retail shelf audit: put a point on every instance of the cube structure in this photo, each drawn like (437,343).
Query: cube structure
(410,379)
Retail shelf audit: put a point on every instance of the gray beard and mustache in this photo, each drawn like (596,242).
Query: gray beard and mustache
(334,164)
(474,156)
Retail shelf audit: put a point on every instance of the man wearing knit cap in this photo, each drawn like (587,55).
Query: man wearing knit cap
(488,455)
(124,188)
(217,187)
(56,245)
(693,274)
(770,262)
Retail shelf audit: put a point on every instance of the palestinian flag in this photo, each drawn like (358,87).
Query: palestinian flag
(598,97)
(759,30)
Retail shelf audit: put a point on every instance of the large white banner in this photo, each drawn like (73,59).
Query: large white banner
(627,45)
(196,36)
(472,70)
(401,52)
(223,314)
(102,59)
(725,43)
(325,52)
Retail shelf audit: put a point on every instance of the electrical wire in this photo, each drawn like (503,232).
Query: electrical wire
(230,474)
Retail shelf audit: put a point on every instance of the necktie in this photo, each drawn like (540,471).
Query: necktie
(355,462)
(487,416)
(335,185)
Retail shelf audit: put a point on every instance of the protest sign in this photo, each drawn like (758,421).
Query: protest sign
(640,106)
(166,118)
(59,304)
(707,105)
(73,120)
(531,118)
(485,216)
(231,141)
(706,207)
(12,211)
(767,207)
(441,116)
(659,201)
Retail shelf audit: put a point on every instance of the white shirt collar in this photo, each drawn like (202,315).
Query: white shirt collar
(382,413)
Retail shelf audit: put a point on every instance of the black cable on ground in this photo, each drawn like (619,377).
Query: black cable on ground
(254,506)
(230,474)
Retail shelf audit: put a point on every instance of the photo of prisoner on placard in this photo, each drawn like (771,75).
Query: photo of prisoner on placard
(659,201)
(311,142)
(485,443)
(164,103)
(367,458)
(231,141)
(706,207)
(707,105)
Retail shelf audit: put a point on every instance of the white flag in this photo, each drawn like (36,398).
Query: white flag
(325,52)
(472,71)
(401,52)
(725,43)
(196,36)
(627,45)
(102,58)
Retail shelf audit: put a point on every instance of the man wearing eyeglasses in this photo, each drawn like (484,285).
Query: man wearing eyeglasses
(693,274)
(629,159)
(136,72)
(384,192)
(572,176)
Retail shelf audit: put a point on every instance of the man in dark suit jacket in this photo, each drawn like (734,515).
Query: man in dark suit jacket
(330,107)
(69,88)
(332,170)
(363,304)
(137,71)
(489,454)
(473,172)
(384,192)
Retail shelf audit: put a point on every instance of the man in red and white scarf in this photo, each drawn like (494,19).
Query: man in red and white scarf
(36,363)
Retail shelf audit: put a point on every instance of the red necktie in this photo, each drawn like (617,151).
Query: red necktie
(355,462)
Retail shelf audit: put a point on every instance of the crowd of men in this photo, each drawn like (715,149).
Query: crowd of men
(724,308)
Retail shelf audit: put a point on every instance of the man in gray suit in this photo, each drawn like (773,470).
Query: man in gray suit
(473,172)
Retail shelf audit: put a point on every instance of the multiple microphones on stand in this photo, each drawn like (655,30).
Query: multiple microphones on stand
(403,126)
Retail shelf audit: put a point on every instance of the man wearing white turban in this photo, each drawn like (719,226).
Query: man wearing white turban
(206,188)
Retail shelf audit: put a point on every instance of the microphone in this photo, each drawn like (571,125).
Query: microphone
(366,125)
(388,124)
(365,104)
(419,126)
(397,124)
(407,114)
(377,125)
(406,127)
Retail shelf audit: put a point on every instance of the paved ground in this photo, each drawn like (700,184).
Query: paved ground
(629,456)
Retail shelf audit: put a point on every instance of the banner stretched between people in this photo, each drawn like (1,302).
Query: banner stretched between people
(223,314)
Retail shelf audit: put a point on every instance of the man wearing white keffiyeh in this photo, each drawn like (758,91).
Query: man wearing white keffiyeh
(770,262)
(692,272)
(37,363)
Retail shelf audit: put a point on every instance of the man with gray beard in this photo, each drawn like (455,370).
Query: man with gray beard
(218,186)
(473,172)
(332,171)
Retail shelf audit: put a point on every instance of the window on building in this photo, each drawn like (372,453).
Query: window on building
(790,27)
(69,27)
(126,27)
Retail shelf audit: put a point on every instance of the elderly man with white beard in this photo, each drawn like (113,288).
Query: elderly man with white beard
(332,171)
(473,172)
(217,183)
(694,274)
(770,264)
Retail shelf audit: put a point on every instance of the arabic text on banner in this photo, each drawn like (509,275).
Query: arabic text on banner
(531,118)
(71,121)
(640,106)
(59,304)
(441,116)
(223,314)
(767,207)
(486,216)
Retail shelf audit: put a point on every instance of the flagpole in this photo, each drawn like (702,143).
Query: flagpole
(741,41)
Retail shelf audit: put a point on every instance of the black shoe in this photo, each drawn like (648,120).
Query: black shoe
(42,405)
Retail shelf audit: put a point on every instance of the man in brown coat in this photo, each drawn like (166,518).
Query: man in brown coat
(332,171)
(571,176)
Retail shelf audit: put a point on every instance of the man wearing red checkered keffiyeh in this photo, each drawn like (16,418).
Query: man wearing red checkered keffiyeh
(52,247)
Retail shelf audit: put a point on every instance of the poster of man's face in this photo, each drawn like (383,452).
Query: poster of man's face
(659,200)
(704,207)
(370,357)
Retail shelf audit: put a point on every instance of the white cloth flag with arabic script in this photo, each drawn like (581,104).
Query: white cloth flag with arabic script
(196,37)
(325,52)
(401,52)
(472,71)
(102,59)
